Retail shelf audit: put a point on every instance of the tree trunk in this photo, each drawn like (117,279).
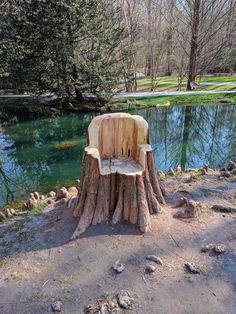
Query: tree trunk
(149,48)
(115,185)
(169,37)
(194,43)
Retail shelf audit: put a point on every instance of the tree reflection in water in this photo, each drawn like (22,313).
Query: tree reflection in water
(192,135)
(181,135)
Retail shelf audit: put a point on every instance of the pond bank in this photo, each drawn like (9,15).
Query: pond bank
(28,107)
(35,202)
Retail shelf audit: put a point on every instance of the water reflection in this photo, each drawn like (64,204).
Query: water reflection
(41,154)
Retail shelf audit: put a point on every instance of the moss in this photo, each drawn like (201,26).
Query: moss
(17,205)
(65,145)
(107,294)
(38,209)
(131,106)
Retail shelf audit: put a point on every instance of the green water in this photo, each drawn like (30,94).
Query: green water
(45,153)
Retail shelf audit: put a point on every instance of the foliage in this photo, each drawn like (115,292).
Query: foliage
(65,145)
(67,46)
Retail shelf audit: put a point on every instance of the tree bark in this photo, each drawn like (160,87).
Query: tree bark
(194,43)
(149,48)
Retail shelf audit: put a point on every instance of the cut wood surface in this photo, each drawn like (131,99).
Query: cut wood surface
(118,180)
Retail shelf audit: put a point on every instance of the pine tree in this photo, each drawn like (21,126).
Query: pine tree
(67,46)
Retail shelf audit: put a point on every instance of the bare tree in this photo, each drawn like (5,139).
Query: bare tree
(202,32)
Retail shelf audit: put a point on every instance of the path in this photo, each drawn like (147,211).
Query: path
(131,94)
(158,94)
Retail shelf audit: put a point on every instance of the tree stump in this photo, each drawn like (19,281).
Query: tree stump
(118,180)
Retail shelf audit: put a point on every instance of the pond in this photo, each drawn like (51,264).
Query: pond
(45,153)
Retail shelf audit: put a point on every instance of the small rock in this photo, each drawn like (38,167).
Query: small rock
(36,195)
(178,169)
(233,172)
(125,300)
(12,211)
(51,194)
(203,171)
(61,202)
(92,309)
(160,174)
(191,170)
(50,201)
(71,202)
(56,306)
(154,259)
(191,210)
(223,208)
(2,216)
(25,205)
(77,184)
(182,202)
(225,174)
(31,203)
(73,190)
(8,213)
(192,268)
(206,167)
(42,197)
(118,267)
(207,248)
(231,165)
(61,193)
(191,178)
(171,172)
(219,249)
(150,269)
(103,307)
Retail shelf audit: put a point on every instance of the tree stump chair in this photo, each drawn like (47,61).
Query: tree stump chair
(118,174)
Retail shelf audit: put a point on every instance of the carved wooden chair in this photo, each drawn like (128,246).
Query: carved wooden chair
(118,174)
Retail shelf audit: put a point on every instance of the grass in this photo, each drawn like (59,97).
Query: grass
(38,209)
(16,227)
(15,275)
(171,82)
(222,79)
(222,87)
(29,213)
(4,261)
(107,294)
(187,99)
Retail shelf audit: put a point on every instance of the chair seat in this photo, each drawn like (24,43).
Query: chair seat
(122,165)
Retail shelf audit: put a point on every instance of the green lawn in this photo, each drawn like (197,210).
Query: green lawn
(221,79)
(187,99)
(171,82)
(222,87)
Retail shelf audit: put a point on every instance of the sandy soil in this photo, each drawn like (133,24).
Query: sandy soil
(40,265)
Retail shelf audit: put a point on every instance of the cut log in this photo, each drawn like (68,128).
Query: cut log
(119,180)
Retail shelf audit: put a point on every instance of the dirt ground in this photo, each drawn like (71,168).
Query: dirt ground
(40,265)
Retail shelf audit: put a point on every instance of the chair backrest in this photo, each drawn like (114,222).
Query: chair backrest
(118,134)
